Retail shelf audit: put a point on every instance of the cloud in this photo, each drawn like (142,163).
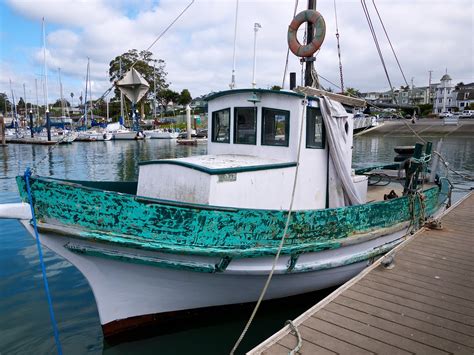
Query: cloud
(427,35)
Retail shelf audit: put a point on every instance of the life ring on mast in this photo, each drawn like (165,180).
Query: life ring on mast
(311,16)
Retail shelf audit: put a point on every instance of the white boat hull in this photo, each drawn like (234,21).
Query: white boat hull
(125,290)
(131,135)
(155,134)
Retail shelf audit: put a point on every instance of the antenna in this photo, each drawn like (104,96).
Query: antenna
(232,83)
(256,27)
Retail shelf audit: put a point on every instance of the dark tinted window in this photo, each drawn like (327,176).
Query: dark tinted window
(221,126)
(245,125)
(275,127)
(315,134)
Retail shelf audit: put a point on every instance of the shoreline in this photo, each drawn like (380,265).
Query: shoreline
(426,127)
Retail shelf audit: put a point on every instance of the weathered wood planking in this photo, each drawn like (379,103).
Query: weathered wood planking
(424,304)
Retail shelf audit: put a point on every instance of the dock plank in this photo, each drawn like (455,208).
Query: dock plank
(440,285)
(380,337)
(429,291)
(424,304)
(408,322)
(350,336)
(415,294)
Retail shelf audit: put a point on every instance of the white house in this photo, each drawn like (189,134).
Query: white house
(445,99)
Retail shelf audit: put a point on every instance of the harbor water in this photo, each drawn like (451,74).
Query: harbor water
(24,319)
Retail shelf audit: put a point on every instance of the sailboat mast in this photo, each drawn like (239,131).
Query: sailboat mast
(24,99)
(14,117)
(37,101)
(48,123)
(45,69)
(309,79)
(122,118)
(85,97)
(61,92)
(90,92)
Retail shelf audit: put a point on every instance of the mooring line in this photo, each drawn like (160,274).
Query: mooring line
(43,268)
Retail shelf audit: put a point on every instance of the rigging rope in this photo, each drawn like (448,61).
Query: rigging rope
(338,49)
(283,238)
(288,52)
(390,42)
(151,45)
(374,36)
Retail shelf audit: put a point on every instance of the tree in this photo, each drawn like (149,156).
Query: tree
(165,96)
(185,97)
(352,92)
(276,88)
(21,104)
(5,104)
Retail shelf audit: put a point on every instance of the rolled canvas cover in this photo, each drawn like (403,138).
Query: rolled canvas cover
(342,191)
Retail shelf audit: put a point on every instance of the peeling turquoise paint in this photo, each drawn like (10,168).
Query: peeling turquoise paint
(126,220)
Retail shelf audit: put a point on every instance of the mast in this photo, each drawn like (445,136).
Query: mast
(48,122)
(256,26)
(90,91)
(85,97)
(24,98)
(232,82)
(61,94)
(309,68)
(154,89)
(37,101)
(122,119)
(14,117)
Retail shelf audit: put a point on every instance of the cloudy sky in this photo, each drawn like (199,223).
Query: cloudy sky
(427,35)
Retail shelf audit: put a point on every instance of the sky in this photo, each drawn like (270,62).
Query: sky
(434,35)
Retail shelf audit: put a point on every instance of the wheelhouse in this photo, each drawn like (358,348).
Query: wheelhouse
(254,138)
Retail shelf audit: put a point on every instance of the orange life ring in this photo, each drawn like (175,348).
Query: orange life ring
(311,16)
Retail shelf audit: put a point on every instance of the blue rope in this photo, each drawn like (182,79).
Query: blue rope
(43,269)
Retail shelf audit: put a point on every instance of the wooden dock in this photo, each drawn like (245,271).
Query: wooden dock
(422,303)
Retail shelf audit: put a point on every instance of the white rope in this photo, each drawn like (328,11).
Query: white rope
(298,336)
(282,242)
(288,51)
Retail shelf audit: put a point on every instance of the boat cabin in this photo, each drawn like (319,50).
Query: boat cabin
(253,144)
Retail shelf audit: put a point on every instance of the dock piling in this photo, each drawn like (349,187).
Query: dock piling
(2,130)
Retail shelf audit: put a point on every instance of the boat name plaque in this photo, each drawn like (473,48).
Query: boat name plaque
(227,177)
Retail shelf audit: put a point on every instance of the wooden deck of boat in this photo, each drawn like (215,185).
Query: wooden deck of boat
(424,304)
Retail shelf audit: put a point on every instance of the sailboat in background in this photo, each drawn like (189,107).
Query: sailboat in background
(85,134)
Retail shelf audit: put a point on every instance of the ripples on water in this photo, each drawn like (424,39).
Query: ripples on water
(24,317)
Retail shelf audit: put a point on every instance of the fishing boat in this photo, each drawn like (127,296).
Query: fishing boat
(197,233)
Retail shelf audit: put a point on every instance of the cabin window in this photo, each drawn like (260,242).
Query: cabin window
(315,133)
(221,126)
(275,127)
(245,125)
